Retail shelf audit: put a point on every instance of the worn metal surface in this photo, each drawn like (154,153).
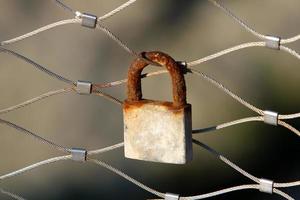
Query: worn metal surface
(155,130)
(134,91)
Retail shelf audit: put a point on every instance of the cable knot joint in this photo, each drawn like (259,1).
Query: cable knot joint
(78,154)
(270,117)
(171,196)
(273,42)
(83,87)
(266,185)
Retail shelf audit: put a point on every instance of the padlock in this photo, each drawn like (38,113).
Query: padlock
(157,131)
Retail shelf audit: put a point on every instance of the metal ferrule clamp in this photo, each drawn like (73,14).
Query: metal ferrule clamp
(273,42)
(184,66)
(78,154)
(171,196)
(88,20)
(266,185)
(84,87)
(271,117)
(182,63)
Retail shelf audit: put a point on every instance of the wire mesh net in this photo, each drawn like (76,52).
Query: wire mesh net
(270,42)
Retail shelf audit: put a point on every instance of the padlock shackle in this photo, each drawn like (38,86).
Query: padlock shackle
(134,89)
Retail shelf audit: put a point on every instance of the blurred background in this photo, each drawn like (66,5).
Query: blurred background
(187,30)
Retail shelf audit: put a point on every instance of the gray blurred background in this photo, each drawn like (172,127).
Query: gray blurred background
(187,30)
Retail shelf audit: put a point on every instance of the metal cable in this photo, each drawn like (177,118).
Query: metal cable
(37,66)
(219,192)
(285,185)
(39,138)
(128,178)
(290,51)
(226,161)
(243,120)
(30,167)
(288,126)
(246,174)
(218,4)
(289,116)
(116,10)
(239,47)
(14,196)
(226,51)
(44,28)
(64,6)
(116,39)
(55,159)
(233,189)
(290,40)
(105,16)
(224,89)
(276,191)
(238,20)
(123,81)
(35,99)
(68,157)
(228,124)
(190,64)
(107,96)
(227,91)
(106,149)
(207,78)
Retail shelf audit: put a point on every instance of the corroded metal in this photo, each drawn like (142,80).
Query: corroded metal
(156,130)
(134,91)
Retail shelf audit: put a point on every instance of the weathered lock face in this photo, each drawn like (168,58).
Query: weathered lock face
(155,130)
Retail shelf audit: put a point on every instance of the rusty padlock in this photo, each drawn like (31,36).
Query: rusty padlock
(157,131)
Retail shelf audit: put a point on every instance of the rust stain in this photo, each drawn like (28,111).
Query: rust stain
(134,90)
(129,105)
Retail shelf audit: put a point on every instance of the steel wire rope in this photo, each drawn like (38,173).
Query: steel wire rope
(218,4)
(58,158)
(42,29)
(37,66)
(35,99)
(34,135)
(10,194)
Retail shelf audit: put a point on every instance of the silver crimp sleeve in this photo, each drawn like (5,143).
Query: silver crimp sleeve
(171,196)
(273,42)
(266,185)
(83,87)
(271,117)
(78,154)
(88,20)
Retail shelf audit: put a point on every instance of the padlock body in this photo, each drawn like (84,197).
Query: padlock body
(157,131)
